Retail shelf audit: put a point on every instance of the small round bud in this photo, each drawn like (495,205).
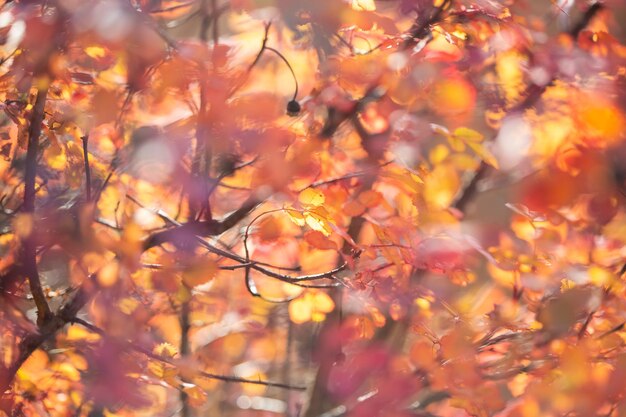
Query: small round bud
(293,108)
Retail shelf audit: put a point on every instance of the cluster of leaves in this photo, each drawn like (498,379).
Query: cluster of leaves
(316,208)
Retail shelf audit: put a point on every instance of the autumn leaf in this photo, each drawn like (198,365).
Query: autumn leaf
(319,240)
(199,272)
(310,307)
(311,197)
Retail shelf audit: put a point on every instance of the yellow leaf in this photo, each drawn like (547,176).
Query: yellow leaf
(95,51)
(438,154)
(55,157)
(323,302)
(600,276)
(320,211)
(567,284)
(66,370)
(196,395)
(183,294)
(311,307)
(36,362)
(300,310)
(316,222)
(464,162)
(78,333)
(165,349)
(468,135)
(311,197)
(128,305)
(510,73)
(296,217)
(367,5)
(484,154)
(109,274)
(455,143)
(441,186)
(161,370)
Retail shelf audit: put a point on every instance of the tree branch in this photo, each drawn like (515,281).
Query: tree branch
(48,329)
(85,140)
(29,245)
(184,232)
(587,17)
(421,27)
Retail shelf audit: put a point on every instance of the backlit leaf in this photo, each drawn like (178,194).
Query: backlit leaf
(311,197)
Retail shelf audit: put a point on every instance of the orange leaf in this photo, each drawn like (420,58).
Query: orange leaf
(199,273)
(353,208)
(319,241)
(270,229)
(370,198)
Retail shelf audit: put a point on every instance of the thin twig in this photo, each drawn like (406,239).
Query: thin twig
(216,15)
(85,140)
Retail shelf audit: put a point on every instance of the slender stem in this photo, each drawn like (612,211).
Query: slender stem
(293,74)
(264,47)
(216,16)
(85,140)
(184,351)
(268,25)
(472,188)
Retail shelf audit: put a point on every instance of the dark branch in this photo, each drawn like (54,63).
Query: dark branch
(471,189)
(29,245)
(421,27)
(211,227)
(85,140)
(48,329)
(590,13)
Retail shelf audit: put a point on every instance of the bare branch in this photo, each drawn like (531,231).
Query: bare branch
(29,245)
(48,329)
(201,228)
(422,25)
(85,140)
